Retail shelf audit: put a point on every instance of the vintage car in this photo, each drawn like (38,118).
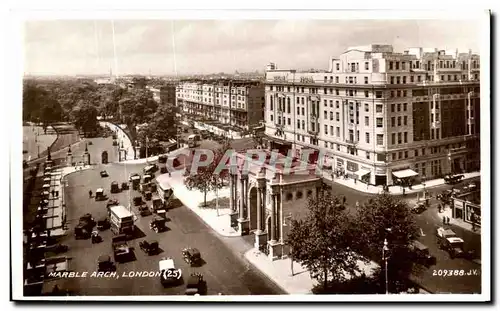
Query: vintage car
(418,208)
(444,233)
(192,256)
(115,187)
(138,200)
(169,275)
(196,284)
(149,247)
(157,224)
(125,185)
(99,194)
(104,174)
(150,169)
(104,264)
(162,158)
(453,179)
(112,202)
(454,246)
(421,255)
(148,195)
(144,210)
(103,224)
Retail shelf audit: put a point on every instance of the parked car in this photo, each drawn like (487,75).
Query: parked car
(453,179)
(104,174)
(103,224)
(192,256)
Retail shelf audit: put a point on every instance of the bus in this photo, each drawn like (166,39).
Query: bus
(194,140)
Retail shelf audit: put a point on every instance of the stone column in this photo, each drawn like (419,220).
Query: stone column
(273,217)
(231,192)
(280,218)
(259,210)
(263,209)
(242,198)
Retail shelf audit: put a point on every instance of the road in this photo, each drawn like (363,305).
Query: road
(225,269)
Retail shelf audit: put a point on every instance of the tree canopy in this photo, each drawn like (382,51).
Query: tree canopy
(322,240)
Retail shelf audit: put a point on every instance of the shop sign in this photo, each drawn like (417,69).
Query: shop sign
(380,171)
(351,166)
(458,204)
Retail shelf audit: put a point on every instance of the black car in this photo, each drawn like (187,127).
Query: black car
(149,247)
(103,224)
(104,174)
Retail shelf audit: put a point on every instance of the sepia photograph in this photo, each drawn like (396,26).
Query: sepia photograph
(253,156)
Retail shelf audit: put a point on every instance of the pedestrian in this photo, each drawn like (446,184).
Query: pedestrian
(355,181)
(447,220)
(53,191)
(404,191)
(357,204)
(90,193)
(444,220)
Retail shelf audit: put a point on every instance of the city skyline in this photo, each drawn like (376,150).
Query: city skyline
(72,47)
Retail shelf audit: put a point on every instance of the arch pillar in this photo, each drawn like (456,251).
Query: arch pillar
(243,222)
(260,233)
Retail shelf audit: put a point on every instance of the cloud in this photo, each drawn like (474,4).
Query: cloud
(224,45)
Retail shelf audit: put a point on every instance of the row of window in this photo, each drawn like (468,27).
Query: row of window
(399,123)
(402,138)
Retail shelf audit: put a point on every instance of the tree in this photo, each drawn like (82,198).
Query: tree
(321,241)
(208,178)
(84,115)
(202,180)
(137,106)
(373,221)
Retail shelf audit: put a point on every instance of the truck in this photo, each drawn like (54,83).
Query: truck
(121,250)
(122,220)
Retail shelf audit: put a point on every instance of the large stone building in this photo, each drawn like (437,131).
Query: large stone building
(236,103)
(381,116)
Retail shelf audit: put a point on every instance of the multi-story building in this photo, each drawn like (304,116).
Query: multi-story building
(167,93)
(237,103)
(378,114)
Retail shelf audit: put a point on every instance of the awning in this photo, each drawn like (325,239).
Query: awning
(278,140)
(405,173)
(362,172)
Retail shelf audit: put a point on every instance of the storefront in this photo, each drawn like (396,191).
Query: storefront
(404,177)
(466,211)
(363,174)
(352,168)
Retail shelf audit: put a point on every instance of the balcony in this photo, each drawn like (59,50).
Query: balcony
(313,132)
(351,141)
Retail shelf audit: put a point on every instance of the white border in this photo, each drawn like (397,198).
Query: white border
(15,72)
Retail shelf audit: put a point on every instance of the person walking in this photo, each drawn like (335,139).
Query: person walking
(90,193)
(444,220)
(448,220)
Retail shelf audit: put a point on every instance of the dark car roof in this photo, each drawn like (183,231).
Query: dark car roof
(104,258)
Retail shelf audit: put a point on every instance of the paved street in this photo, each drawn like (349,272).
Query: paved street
(224,269)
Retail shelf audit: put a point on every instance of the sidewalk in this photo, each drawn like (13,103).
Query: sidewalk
(280,272)
(362,187)
(457,222)
(192,200)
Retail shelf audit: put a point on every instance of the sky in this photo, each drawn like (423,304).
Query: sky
(168,47)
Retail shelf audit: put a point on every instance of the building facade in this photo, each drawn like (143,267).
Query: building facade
(236,103)
(376,112)
(167,94)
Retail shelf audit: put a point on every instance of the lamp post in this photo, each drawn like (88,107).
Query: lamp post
(385,249)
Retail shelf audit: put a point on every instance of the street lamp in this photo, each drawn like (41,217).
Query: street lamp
(385,249)
(385,256)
